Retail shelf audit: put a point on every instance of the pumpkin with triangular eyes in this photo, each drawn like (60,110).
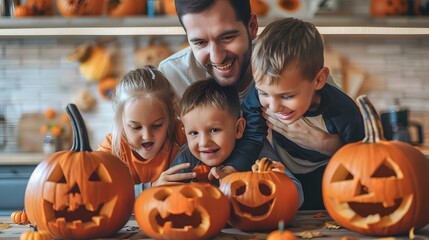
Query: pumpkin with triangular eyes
(79,194)
(260,198)
(184,211)
(377,187)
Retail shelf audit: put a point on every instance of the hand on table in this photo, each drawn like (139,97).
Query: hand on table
(170,176)
(303,134)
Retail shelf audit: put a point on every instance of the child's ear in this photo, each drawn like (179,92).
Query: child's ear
(240,126)
(183,129)
(322,78)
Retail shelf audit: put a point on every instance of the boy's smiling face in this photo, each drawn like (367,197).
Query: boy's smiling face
(292,95)
(211,133)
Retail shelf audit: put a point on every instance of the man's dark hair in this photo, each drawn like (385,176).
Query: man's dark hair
(241,8)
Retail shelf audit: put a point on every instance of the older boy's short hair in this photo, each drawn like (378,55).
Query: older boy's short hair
(287,42)
(208,92)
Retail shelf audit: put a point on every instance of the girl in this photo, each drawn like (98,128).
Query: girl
(147,133)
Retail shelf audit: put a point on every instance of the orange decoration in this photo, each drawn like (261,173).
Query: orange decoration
(50,113)
(184,211)
(79,193)
(72,8)
(107,87)
(377,187)
(380,8)
(19,217)
(169,7)
(289,5)
(22,11)
(259,7)
(202,172)
(34,235)
(260,198)
(129,8)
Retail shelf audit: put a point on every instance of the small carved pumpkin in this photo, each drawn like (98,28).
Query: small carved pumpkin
(72,8)
(260,198)
(377,187)
(388,7)
(202,172)
(185,211)
(19,217)
(78,193)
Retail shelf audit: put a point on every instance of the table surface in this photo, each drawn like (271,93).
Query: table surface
(304,221)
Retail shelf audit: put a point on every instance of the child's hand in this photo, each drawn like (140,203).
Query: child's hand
(304,133)
(272,165)
(170,176)
(220,171)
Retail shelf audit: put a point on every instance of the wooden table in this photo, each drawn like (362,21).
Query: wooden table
(303,221)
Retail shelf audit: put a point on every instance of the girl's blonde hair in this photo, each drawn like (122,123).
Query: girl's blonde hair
(148,84)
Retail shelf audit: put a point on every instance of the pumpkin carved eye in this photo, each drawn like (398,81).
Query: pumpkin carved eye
(386,169)
(265,188)
(162,194)
(190,192)
(100,174)
(238,188)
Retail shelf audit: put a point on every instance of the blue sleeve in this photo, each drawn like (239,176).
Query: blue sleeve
(247,149)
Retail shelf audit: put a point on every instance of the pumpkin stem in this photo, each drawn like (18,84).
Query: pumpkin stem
(75,144)
(281,226)
(373,127)
(262,165)
(80,134)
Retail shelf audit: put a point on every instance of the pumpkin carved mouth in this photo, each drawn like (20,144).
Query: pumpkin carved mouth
(180,221)
(81,217)
(363,214)
(260,211)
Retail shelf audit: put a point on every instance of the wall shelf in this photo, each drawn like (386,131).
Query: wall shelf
(104,26)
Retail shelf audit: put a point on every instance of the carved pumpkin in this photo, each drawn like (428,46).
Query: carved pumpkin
(169,7)
(260,198)
(19,217)
(377,187)
(259,7)
(79,193)
(185,211)
(388,7)
(123,8)
(72,8)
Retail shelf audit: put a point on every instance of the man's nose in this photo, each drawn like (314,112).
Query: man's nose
(217,53)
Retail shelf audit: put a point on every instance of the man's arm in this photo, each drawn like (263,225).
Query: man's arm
(247,149)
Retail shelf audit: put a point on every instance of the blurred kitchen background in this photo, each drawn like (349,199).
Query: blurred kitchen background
(38,73)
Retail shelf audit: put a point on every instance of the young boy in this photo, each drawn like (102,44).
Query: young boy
(212,124)
(290,80)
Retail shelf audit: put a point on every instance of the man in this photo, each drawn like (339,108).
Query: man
(220,33)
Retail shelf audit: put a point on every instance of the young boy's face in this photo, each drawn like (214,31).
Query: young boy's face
(292,95)
(211,133)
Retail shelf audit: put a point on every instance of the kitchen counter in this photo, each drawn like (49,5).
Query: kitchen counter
(303,221)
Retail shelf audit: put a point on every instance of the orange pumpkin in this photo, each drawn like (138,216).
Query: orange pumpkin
(184,211)
(381,8)
(377,187)
(107,87)
(151,55)
(128,8)
(34,235)
(40,7)
(281,234)
(259,7)
(289,5)
(260,198)
(169,7)
(79,193)
(19,217)
(202,172)
(22,11)
(72,8)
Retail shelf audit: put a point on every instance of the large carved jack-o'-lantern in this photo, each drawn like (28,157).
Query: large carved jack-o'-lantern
(260,198)
(185,211)
(377,187)
(79,193)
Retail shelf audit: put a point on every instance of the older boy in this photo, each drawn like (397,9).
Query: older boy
(290,77)
(212,124)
